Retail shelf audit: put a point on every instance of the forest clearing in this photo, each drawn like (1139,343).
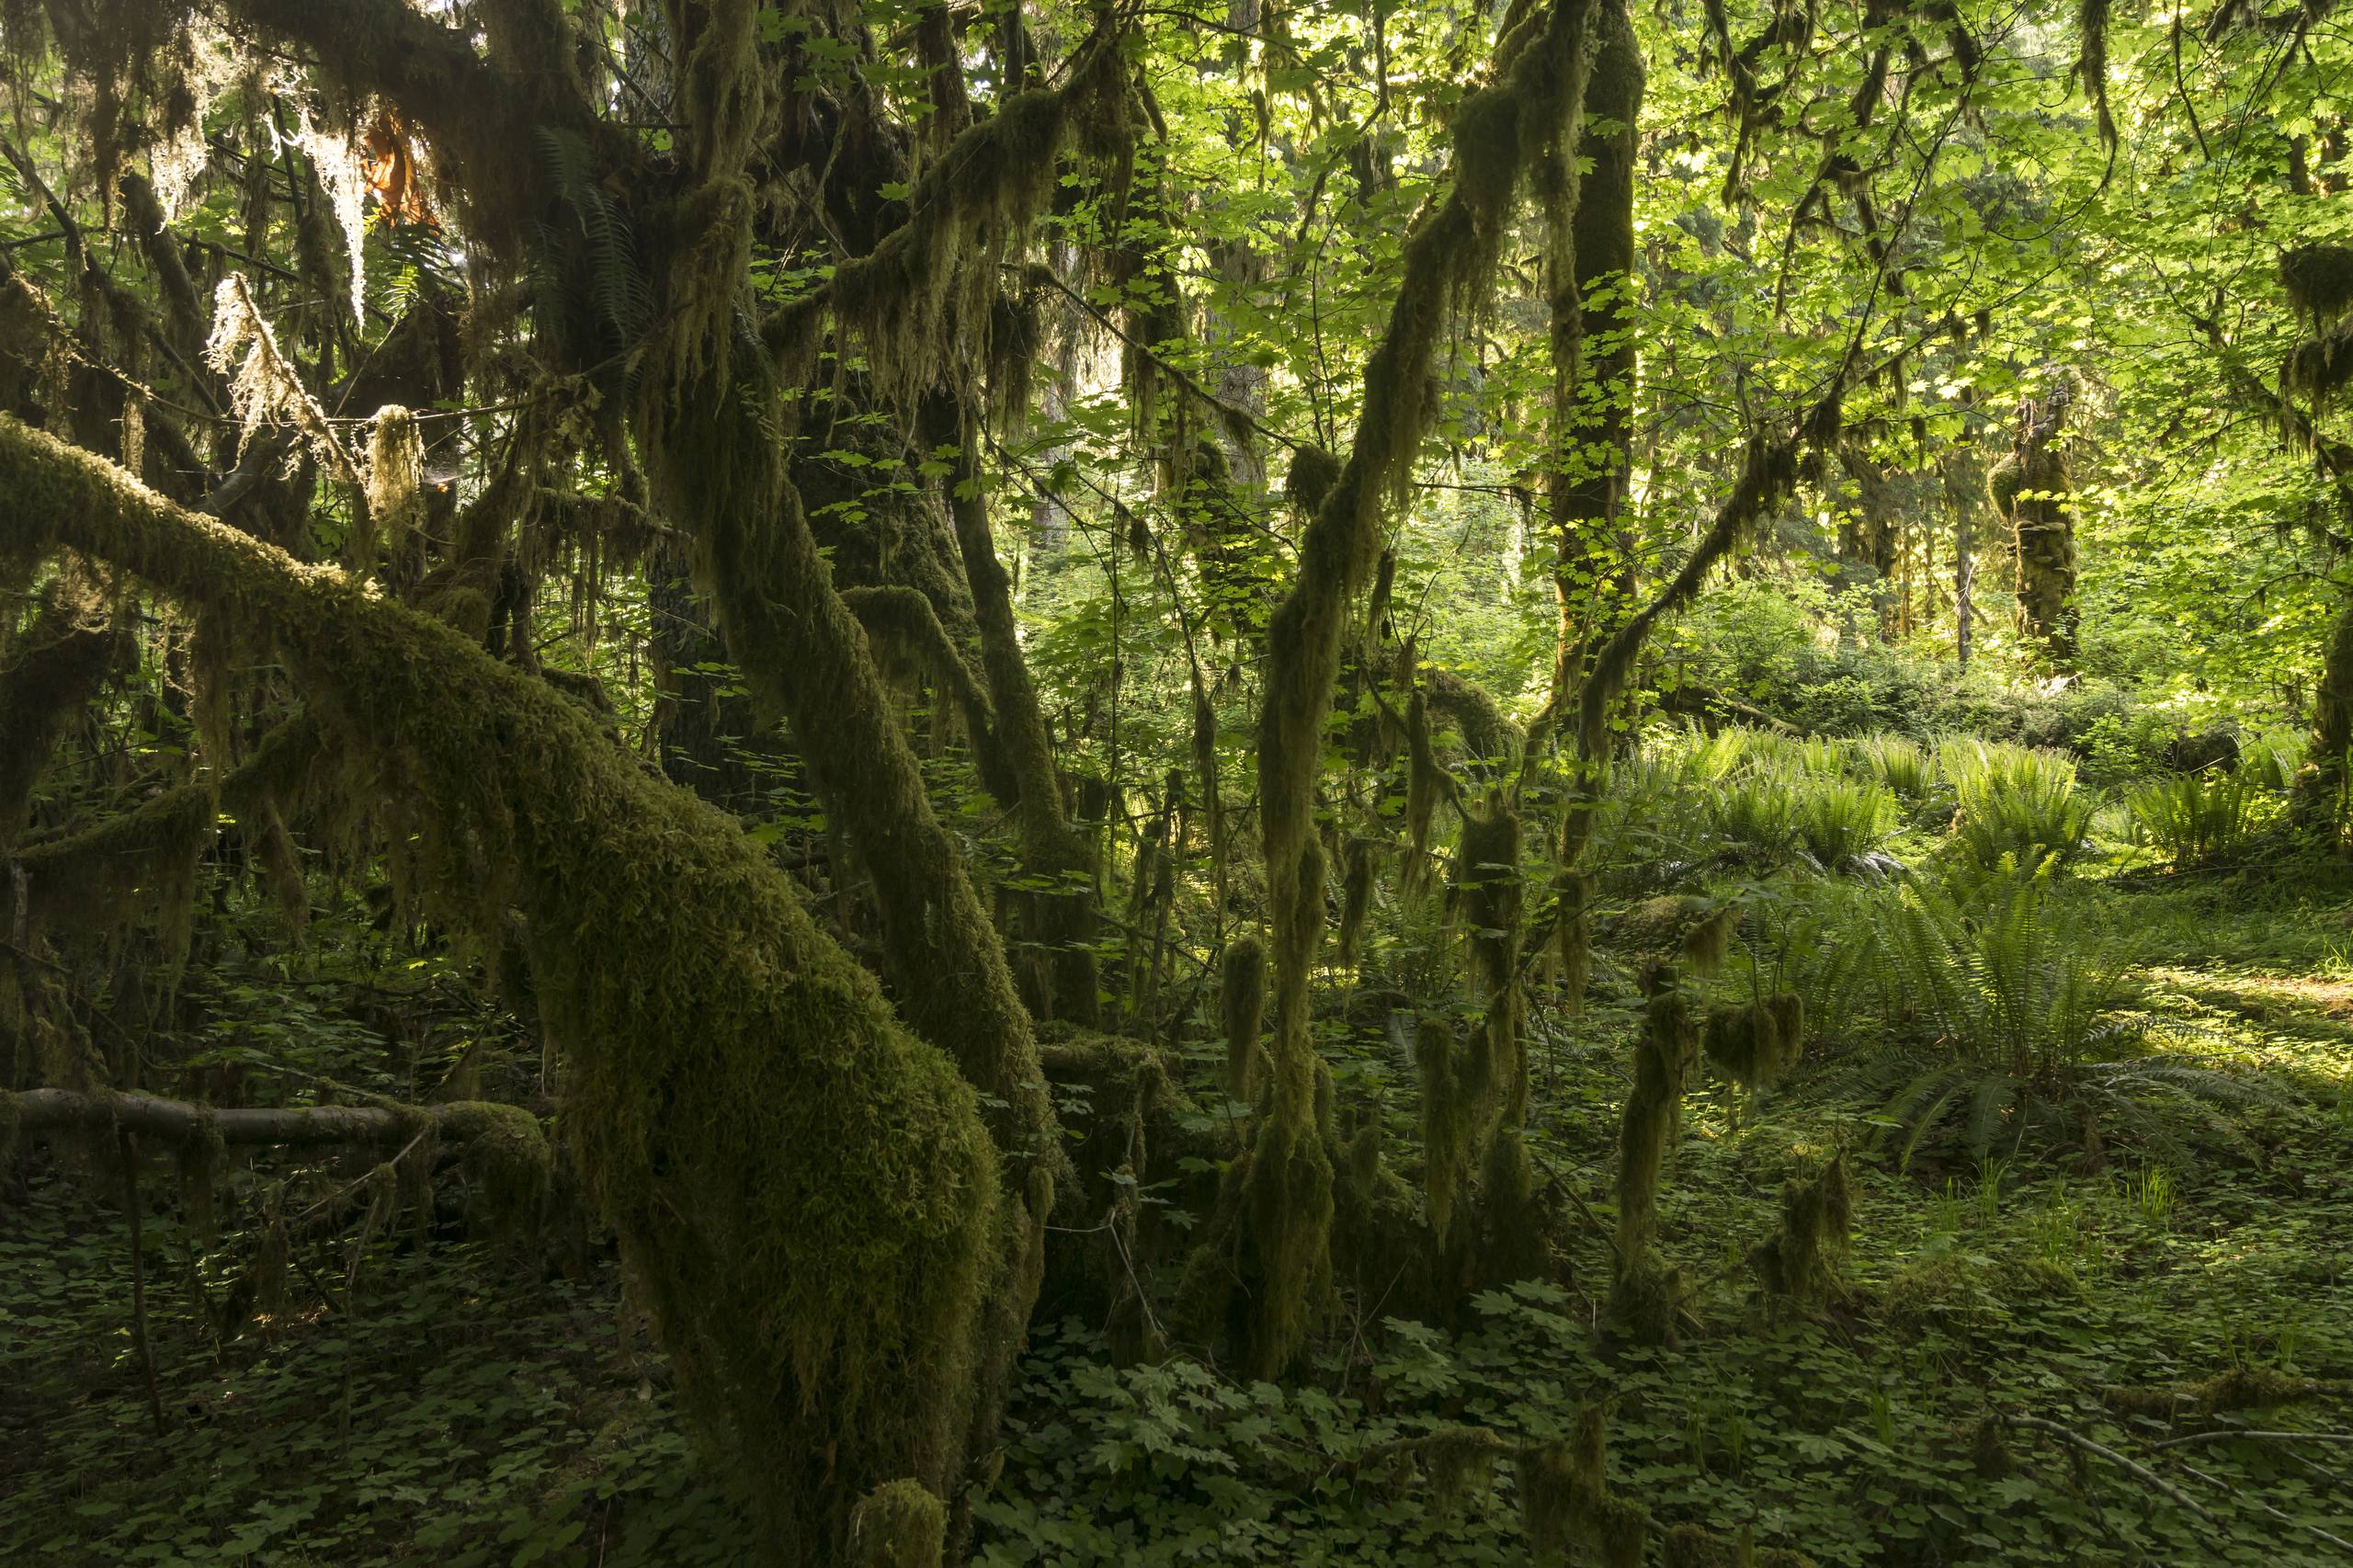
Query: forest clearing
(998,782)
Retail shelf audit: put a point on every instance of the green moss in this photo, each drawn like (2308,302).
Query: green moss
(2242,1388)
(898,1525)
(1565,1503)
(807,1194)
(504,1149)
(1242,1002)
(1815,1228)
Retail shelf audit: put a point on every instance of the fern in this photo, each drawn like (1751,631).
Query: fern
(2197,819)
(2015,802)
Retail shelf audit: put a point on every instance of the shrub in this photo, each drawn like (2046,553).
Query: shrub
(1901,763)
(1841,823)
(1755,814)
(2195,819)
(2015,802)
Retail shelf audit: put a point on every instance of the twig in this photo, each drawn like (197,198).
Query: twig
(2240,1493)
(2130,1467)
(2220,1432)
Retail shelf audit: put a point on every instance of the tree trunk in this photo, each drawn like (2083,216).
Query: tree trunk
(2042,514)
(1060,921)
(809,1194)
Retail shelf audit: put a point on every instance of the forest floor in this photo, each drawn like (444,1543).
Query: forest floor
(1989,1384)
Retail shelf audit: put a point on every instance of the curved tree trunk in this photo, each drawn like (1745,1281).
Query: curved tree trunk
(809,1194)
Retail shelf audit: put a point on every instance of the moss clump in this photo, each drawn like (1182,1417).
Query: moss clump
(1707,940)
(898,1525)
(1754,1042)
(1312,473)
(1656,925)
(1565,1504)
(503,1149)
(2319,280)
(1663,1059)
(1817,1219)
(1242,1002)
(1459,1461)
(2242,1388)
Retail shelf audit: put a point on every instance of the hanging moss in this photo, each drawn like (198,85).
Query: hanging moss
(1707,941)
(1241,1001)
(1575,938)
(1644,1294)
(52,669)
(2319,280)
(2318,368)
(1566,1505)
(1513,1224)
(1425,782)
(1312,473)
(1754,1042)
(1355,894)
(1449,1136)
(395,488)
(1817,1221)
(1380,1234)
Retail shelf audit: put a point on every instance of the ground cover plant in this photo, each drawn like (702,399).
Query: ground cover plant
(1021,782)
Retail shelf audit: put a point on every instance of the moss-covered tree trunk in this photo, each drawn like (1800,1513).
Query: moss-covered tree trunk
(2035,490)
(1278,1217)
(2318,798)
(1596,355)
(807,1195)
(1059,921)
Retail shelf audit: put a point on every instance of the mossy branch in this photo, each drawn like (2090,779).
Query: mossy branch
(807,1193)
(37,1111)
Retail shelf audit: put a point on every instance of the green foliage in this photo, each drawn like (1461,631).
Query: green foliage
(2015,803)
(2198,819)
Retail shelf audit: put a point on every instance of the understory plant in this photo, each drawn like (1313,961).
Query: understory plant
(2197,819)
(2017,801)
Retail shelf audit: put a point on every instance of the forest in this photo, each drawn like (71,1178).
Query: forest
(904,782)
